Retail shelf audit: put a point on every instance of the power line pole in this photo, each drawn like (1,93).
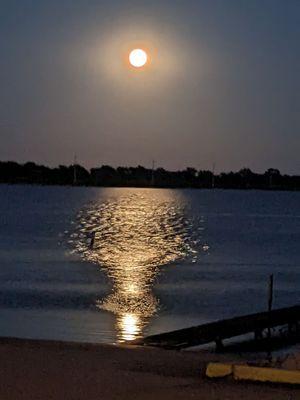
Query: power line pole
(74,170)
(270,304)
(213,176)
(152,174)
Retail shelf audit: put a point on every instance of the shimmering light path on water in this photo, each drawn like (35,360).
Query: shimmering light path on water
(130,237)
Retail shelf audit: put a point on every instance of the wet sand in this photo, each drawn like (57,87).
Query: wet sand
(32,369)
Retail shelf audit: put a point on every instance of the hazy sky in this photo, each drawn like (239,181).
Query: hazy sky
(223,85)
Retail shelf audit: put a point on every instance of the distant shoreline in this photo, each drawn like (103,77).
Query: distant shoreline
(140,177)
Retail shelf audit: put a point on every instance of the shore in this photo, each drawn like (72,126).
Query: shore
(36,369)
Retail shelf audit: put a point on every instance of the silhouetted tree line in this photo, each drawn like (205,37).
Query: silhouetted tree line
(12,172)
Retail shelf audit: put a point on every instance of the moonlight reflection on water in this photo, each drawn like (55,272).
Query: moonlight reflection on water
(133,235)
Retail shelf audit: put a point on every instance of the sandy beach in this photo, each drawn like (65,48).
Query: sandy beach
(34,369)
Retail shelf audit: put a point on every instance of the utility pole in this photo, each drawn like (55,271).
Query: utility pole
(152,173)
(270,293)
(74,170)
(270,180)
(270,304)
(213,176)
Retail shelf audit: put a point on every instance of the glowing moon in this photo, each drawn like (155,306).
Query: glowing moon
(138,58)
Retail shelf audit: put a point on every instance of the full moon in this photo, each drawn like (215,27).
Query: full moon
(138,58)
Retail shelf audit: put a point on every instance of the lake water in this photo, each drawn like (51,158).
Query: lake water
(110,265)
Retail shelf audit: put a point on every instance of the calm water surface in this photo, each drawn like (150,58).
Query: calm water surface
(111,265)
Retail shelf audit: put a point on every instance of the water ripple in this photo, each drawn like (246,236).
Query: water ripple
(131,237)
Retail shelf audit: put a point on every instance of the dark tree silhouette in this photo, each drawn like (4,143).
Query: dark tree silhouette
(12,172)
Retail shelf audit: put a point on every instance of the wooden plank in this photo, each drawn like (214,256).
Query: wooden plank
(216,331)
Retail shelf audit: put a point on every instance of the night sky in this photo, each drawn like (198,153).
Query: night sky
(223,85)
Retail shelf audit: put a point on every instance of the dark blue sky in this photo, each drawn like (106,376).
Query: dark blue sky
(223,85)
